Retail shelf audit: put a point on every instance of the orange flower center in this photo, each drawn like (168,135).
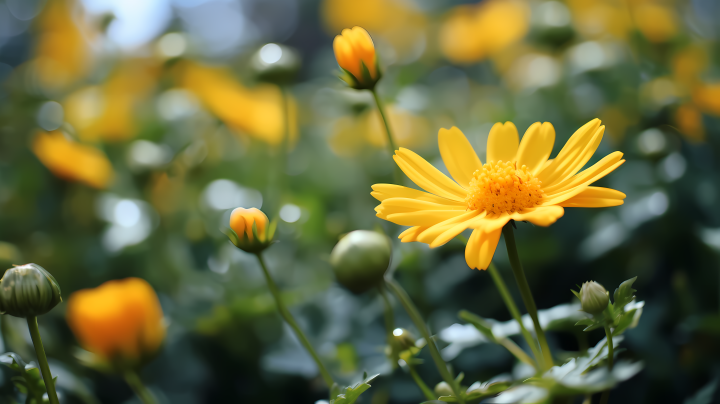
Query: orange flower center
(502,187)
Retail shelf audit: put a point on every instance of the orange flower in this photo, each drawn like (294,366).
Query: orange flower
(242,220)
(71,160)
(119,319)
(355,53)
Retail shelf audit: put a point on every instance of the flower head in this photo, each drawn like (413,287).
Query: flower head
(28,290)
(250,230)
(355,53)
(119,321)
(517,182)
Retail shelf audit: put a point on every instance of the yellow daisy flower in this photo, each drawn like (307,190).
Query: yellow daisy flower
(518,182)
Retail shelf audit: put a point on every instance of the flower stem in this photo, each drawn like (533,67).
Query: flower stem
(429,394)
(525,292)
(512,308)
(285,313)
(606,394)
(391,142)
(42,360)
(420,324)
(389,326)
(137,386)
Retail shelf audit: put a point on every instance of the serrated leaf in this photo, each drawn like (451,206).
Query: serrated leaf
(352,393)
(624,294)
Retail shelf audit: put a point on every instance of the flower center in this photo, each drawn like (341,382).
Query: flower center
(501,187)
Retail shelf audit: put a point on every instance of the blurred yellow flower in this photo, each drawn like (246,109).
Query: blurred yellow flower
(62,52)
(398,22)
(518,182)
(351,133)
(707,97)
(689,122)
(656,21)
(108,111)
(118,320)
(242,221)
(355,52)
(471,33)
(71,160)
(256,111)
(600,18)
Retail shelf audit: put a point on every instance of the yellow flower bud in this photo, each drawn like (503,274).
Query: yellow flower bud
(355,53)
(28,290)
(250,230)
(119,321)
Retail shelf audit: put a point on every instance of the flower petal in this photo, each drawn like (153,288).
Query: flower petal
(481,248)
(382,192)
(588,176)
(540,216)
(428,177)
(445,229)
(458,154)
(571,154)
(411,234)
(536,146)
(502,142)
(595,197)
(422,218)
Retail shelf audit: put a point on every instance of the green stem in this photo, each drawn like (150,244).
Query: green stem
(285,313)
(137,386)
(606,394)
(389,327)
(420,324)
(512,308)
(429,394)
(525,292)
(391,142)
(514,349)
(42,360)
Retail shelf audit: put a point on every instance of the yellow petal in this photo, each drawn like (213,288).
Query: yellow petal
(502,142)
(574,146)
(481,248)
(458,154)
(428,177)
(423,218)
(430,235)
(572,164)
(588,176)
(345,55)
(405,205)
(595,197)
(540,216)
(411,234)
(382,192)
(536,146)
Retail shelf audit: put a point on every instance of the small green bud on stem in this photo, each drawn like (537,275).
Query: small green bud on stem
(594,298)
(28,291)
(360,260)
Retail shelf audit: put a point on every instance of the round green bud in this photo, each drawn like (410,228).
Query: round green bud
(28,290)
(275,63)
(360,260)
(403,338)
(593,297)
(443,389)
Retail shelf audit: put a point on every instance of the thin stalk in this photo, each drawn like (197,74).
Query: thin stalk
(525,292)
(514,349)
(606,394)
(285,313)
(137,386)
(427,392)
(512,308)
(391,142)
(42,360)
(389,326)
(420,324)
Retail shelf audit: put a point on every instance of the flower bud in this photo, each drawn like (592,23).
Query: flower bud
(277,64)
(120,321)
(403,338)
(443,389)
(28,290)
(593,297)
(355,53)
(360,260)
(250,230)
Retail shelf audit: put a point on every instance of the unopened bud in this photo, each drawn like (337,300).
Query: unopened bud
(27,291)
(593,297)
(360,260)
(275,63)
(403,338)
(250,230)
(443,389)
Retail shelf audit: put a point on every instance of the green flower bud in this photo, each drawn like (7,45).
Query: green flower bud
(360,260)
(28,290)
(403,338)
(593,297)
(277,64)
(443,389)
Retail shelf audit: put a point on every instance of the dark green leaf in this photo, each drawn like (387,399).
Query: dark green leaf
(352,393)
(624,294)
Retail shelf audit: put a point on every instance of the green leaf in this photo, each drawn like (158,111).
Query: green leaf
(624,294)
(28,379)
(352,393)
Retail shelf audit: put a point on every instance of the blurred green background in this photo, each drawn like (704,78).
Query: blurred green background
(128,128)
